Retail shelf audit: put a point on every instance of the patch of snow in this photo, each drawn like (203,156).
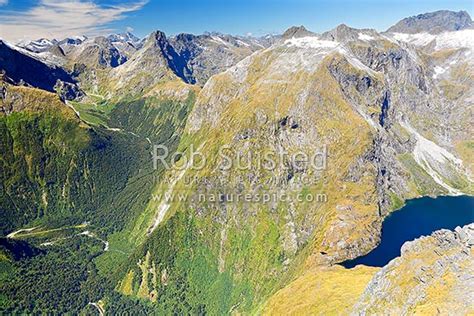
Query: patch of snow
(219,40)
(417,39)
(78,37)
(50,58)
(446,40)
(46,58)
(389,37)
(21,50)
(310,42)
(322,48)
(119,45)
(365,37)
(45,41)
(304,53)
(438,71)
(243,43)
(295,55)
(42,44)
(457,39)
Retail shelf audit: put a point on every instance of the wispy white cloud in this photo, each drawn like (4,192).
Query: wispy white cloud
(3,2)
(62,18)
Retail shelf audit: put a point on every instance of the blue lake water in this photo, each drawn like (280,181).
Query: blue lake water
(419,217)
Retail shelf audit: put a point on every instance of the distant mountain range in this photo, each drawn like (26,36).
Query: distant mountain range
(197,57)
(434,23)
(202,55)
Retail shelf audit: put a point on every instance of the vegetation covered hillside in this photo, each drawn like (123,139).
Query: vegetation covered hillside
(66,185)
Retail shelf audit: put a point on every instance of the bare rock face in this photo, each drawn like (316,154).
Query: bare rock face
(98,52)
(208,54)
(190,58)
(433,275)
(68,91)
(297,31)
(434,22)
(156,61)
(344,33)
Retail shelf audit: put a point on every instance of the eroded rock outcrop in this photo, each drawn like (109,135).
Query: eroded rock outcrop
(433,275)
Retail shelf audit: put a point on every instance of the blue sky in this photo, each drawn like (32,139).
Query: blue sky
(30,19)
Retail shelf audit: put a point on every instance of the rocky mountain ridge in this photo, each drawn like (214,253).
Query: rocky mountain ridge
(211,53)
(203,55)
(21,68)
(434,23)
(433,275)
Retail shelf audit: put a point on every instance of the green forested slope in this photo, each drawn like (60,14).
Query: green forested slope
(72,181)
